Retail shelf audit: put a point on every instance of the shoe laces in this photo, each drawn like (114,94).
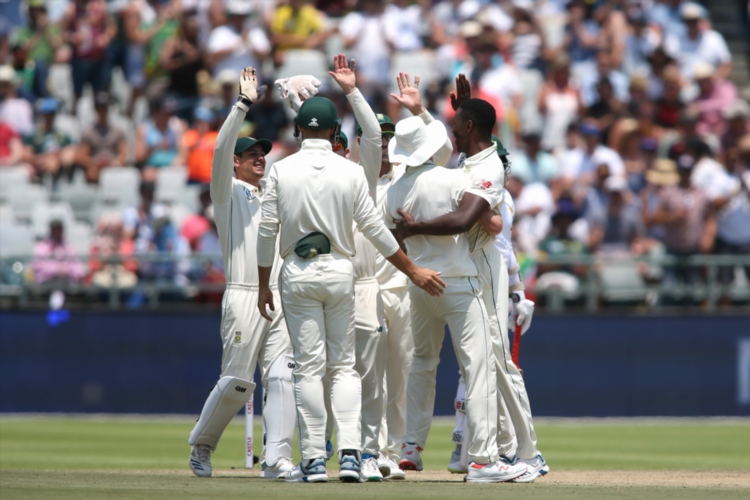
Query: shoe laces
(284,461)
(371,464)
(203,452)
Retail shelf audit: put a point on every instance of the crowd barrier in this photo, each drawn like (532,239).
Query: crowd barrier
(574,366)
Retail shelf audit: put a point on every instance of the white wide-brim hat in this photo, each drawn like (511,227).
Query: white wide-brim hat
(415,142)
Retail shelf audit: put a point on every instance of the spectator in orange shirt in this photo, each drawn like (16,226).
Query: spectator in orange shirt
(199,142)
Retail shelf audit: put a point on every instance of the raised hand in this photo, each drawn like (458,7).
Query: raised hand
(249,90)
(463,91)
(410,97)
(343,73)
(296,89)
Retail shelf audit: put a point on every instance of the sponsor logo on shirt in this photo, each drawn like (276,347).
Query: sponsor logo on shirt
(485,184)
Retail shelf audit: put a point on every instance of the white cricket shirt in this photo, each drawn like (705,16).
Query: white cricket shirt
(237,207)
(427,192)
(315,190)
(487,177)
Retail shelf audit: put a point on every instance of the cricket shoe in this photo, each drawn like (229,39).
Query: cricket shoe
(411,457)
(369,472)
(395,473)
(313,472)
(329,450)
(349,468)
(384,465)
(537,467)
(455,466)
(200,460)
(508,460)
(497,472)
(279,470)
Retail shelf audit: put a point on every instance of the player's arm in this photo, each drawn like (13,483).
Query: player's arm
(468,213)
(411,99)
(268,232)
(491,222)
(370,144)
(222,166)
(372,226)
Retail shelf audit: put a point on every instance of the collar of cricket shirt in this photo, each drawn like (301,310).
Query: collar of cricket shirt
(252,191)
(320,145)
(478,158)
(428,163)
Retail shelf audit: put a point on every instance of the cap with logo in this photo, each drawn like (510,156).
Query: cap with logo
(501,151)
(382,120)
(317,113)
(245,143)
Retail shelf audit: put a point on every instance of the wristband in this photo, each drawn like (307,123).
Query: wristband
(244,104)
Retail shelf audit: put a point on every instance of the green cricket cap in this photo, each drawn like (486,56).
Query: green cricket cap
(245,143)
(317,113)
(382,120)
(501,151)
(343,139)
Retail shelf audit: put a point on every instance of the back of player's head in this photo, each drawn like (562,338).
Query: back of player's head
(482,115)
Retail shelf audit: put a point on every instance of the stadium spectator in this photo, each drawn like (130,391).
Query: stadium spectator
(166,11)
(199,143)
(738,123)
(662,174)
(40,41)
(11,147)
(605,68)
(404,25)
(559,103)
(607,108)
(269,117)
(196,224)
(698,44)
(158,141)
(103,144)
(16,113)
(532,164)
(183,57)
(109,243)
(688,220)
(164,241)
(363,32)
(527,46)
(580,163)
(137,222)
(713,98)
(49,151)
(617,228)
(581,36)
(89,31)
(297,24)
(669,106)
(235,45)
(137,23)
(55,261)
(640,42)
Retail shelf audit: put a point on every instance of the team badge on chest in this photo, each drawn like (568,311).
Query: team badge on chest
(237,337)
(249,194)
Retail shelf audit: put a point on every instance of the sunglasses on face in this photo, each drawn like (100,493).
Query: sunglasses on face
(387,136)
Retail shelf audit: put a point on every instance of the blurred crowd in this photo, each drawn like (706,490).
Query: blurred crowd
(627,138)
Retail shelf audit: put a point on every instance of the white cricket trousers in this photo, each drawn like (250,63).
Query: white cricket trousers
(318,299)
(370,347)
(514,407)
(248,340)
(460,307)
(399,353)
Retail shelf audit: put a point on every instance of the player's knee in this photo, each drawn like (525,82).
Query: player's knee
(282,368)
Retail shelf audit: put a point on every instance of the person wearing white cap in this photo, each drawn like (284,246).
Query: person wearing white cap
(248,339)
(314,199)
(476,216)
(427,191)
(698,44)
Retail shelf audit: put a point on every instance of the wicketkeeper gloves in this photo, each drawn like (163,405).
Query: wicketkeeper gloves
(296,89)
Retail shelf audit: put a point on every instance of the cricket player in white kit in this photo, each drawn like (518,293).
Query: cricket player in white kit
(248,338)
(472,130)
(524,310)
(314,198)
(429,191)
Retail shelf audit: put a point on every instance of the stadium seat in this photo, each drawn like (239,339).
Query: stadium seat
(622,282)
(69,125)
(43,213)
(98,209)
(79,235)
(10,177)
(178,213)
(189,196)
(420,63)
(24,197)
(80,196)
(119,185)
(16,241)
(169,183)
(7,216)
(304,62)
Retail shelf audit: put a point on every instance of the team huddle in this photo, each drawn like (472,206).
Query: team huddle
(355,269)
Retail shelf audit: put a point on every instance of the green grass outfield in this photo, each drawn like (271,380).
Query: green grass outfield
(111,457)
